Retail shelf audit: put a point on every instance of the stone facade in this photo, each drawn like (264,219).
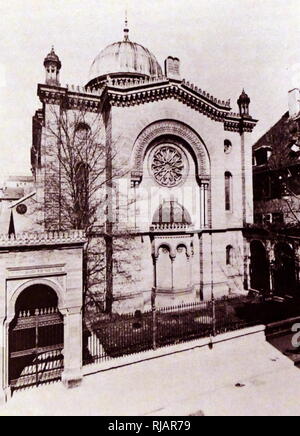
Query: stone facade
(177,146)
(48,260)
(173,168)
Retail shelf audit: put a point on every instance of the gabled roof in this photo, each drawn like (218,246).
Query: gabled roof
(280,138)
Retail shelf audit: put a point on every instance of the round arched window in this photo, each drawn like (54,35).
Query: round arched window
(230,253)
(82,131)
(168,164)
(227,146)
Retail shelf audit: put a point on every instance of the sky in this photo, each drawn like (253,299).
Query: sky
(223,46)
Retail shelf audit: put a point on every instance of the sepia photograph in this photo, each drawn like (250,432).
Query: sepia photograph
(150,210)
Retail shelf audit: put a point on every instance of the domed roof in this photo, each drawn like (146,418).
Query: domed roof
(124,58)
(243,98)
(52,58)
(171,212)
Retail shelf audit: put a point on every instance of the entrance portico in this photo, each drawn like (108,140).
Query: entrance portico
(41,267)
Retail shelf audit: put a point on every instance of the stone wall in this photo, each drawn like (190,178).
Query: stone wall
(54,260)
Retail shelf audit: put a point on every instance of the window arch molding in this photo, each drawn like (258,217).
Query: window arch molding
(169,128)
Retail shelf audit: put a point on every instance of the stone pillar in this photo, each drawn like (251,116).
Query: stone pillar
(189,270)
(3,362)
(172,270)
(205,205)
(72,374)
(201,205)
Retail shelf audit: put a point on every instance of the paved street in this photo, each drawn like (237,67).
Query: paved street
(284,344)
(180,384)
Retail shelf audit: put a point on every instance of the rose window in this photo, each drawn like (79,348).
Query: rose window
(168,165)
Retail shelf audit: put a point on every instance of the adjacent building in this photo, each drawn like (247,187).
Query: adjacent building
(276,186)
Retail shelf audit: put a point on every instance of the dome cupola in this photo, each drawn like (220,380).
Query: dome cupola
(52,66)
(243,103)
(123,59)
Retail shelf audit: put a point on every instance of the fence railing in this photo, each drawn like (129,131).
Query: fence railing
(120,335)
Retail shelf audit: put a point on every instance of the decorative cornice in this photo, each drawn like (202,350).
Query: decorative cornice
(162,91)
(131,92)
(71,97)
(236,123)
(144,83)
(170,227)
(42,238)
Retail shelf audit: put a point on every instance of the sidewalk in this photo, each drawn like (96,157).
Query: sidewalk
(180,384)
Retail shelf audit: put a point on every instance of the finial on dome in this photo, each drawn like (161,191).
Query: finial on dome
(126,30)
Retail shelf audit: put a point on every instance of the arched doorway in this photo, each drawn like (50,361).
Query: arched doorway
(35,338)
(284,272)
(259,268)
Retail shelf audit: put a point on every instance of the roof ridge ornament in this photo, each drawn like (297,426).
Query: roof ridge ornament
(126,29)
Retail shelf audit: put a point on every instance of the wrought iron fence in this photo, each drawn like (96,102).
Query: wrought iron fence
(119,335)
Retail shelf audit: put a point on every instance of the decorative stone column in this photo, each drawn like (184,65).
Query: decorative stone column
(172,257)
(72,374)
(189,270)
(203,204)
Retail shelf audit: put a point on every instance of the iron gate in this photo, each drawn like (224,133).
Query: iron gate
(35,348)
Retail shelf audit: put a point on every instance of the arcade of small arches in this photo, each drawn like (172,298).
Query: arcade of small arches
(274,267)
(173,266)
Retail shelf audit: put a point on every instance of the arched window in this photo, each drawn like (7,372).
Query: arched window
(229,255)
(81,205)
(228,191)
(82,131)
(227,146)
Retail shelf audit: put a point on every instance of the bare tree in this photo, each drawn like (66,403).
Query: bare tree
(81,169)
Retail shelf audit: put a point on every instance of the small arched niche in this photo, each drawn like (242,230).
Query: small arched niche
(164,268)
(182,268)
